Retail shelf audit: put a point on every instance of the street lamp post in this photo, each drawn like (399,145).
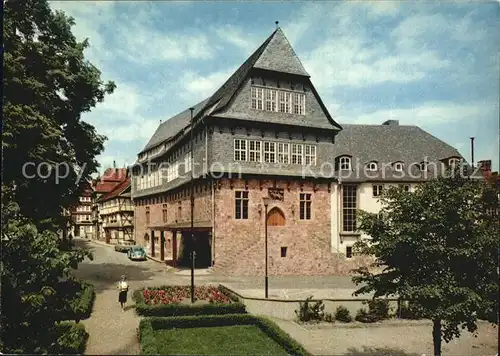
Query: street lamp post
(193,253)
(266,281)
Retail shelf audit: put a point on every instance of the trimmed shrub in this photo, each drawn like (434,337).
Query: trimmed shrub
(81,296)
(147,327)
(70,338)
(342,314)
(379,308)
(409,310)
(365,317)
(308,312)
(178,309)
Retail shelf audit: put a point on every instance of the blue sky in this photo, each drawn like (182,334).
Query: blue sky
(434,65)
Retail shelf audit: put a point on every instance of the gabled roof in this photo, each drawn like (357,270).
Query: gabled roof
(387,144)
(119,189)
(114,175)
(105,187)
(278,55)
(275,54)
(172,126)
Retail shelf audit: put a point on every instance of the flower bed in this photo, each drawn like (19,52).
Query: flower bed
(175,300)
(177,294)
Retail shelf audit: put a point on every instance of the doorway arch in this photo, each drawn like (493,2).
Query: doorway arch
(275,217)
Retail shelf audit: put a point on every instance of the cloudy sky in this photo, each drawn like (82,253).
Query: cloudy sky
(431,65)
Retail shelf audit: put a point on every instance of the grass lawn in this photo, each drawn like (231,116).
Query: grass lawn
(219,340)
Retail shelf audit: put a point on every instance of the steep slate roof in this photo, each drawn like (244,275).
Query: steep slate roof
(279,56)
(274,54)
(172,126)
(386,144)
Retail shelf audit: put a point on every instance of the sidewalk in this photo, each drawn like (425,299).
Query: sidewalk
(405,339)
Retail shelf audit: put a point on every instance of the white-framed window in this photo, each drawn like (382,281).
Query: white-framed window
(299,103)
(269,152)
(254,151)
(296,153)
(349,208)
(398,166)
(188,164)
(172,171)
(270,96)
(310,154)
(283,153)
(377,190)
(453,162)
(240,150)
(257,98)
(406,187)
(345,163)
(372,166)
(285,101)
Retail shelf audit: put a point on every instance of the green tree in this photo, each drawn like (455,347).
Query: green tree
(437,247)
(32,268)
(48,84)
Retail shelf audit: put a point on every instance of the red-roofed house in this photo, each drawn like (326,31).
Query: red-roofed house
(103,186)
(116,213)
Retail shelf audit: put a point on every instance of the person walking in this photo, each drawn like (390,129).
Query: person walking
(123,290)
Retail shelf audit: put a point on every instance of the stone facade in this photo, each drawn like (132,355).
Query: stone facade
(178,212)
(240,244)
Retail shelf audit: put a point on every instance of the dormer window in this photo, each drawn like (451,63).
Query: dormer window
(372,166)
(398,167)
(345,163)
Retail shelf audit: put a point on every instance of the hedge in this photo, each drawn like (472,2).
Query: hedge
(70,338)
(80,307)
(167,310)
(147,327)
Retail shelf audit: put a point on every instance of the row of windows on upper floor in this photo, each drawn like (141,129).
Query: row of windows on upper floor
(173,195)
(278,100)
(345,163)
(274,152)
(156,178)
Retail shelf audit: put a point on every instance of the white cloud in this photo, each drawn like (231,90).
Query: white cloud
(147,45)
(431,113)
(108,161)
(137,128)
(236,36)
(200,87)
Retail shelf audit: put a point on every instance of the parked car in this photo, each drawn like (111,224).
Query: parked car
(125,246)
(137,253)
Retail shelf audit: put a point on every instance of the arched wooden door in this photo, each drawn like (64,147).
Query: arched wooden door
(275,217)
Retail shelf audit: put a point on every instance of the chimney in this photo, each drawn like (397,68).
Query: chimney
(472,151)
(277,23)
(114,164)
(391,123)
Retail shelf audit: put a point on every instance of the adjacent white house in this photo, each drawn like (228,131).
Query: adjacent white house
(369,159)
